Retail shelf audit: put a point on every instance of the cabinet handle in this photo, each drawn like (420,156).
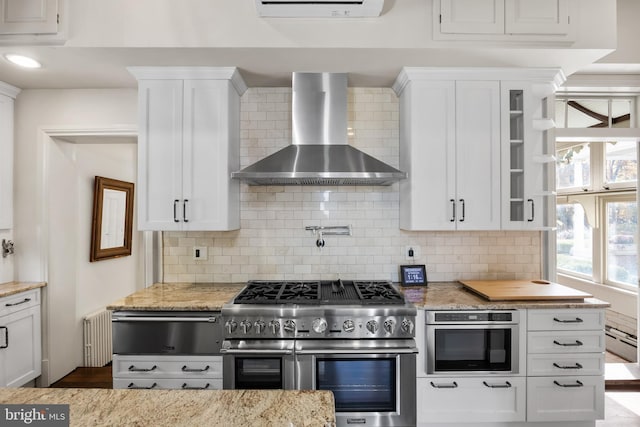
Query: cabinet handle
(568,344)
(175,210)
(132,368)
(506,384)
(453,210)
(576,366)
(184,210)
(17,303)
(186,387)
(533,212)
(577,384)
(452,385)
(185,369)
(132,386)
(462,203)
(6,337)
(576,320)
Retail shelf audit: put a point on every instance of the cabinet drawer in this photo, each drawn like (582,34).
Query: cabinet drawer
(167,384)
(565,398)
(486,399)
(167,366)
(565,320)
(565,364)
(17,302)
(566,342)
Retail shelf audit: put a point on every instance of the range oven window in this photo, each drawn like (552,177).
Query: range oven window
(473,349)
(258,373)
(359,385)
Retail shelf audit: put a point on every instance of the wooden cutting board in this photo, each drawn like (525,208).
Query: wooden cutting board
(523,290)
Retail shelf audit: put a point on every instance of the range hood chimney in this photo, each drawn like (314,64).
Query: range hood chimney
(319,154)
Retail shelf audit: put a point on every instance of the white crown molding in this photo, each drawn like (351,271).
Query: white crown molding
(191,73)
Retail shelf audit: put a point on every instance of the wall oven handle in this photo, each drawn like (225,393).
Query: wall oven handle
(132,368)
(132,386)
(185,369)
(359,351)
(188,387)
(164,319)
(506,384)
(576,320)
(576,366)
(568,344)
(577,384)
(260,351)
(451,385)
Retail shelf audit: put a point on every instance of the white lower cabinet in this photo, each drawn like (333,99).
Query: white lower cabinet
(567,398)
(167,372)
(477,399)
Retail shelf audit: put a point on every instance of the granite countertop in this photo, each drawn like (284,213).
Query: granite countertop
(11,288)
(158,408)
(453,296)
(179,297)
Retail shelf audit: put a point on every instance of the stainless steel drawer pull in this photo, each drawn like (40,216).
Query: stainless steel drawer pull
(452,385)
(576,366)
(576,320)
(185,369)
(6,337)
(577,384)
(186,387)
(506,384)
(568,344)
(11,304)
(132,368)
(136,387)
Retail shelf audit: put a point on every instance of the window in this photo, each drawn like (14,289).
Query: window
(621,247)
(581,112)
(575,240)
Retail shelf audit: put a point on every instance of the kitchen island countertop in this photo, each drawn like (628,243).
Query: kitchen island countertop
(179,297)
(453,296)
(12,288)
(232,408)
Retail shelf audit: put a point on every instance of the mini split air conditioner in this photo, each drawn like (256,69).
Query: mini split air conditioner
(319,8)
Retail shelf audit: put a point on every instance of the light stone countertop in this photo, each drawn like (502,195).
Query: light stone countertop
(173,408)
(453,296)
(12,288)
(179,297)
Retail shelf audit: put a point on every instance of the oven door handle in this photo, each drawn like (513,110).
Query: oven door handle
(259,352)
(165,319)
(359,351)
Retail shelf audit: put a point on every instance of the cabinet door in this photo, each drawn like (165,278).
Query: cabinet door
(427,154)
(210,199)
(478,155)
(159,192)
(20,355)
(472,16)
(28,16)
(6,162)
(537,16)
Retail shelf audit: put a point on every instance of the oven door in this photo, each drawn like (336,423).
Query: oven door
(481,349)
(258,364)
(373,381)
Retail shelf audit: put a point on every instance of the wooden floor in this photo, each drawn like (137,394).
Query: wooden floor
(87,378)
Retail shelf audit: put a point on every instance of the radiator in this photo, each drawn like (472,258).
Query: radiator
(97,338)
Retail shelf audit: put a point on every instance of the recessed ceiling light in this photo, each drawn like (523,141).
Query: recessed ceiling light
(23,61)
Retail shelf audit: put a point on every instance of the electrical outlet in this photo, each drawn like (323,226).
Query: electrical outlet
(200,253)
(407,252)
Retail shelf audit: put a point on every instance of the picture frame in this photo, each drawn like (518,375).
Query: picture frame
(413,275)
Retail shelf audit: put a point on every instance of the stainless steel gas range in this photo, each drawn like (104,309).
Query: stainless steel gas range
(354,338)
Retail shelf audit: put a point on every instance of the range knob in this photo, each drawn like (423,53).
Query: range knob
(260,326)
(319,325)
(389,325)
(407,326)
(348,326)
(231,326)
(372,326)
(246,326)
(289,326)
(274,326)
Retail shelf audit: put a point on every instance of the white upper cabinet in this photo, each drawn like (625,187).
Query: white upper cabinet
(503,20)
(7,95)
(188,145)
(28,16)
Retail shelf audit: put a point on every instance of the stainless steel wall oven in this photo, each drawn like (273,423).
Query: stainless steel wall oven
(482,342)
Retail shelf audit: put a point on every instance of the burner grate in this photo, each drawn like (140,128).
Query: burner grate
(378,292)
(299,292)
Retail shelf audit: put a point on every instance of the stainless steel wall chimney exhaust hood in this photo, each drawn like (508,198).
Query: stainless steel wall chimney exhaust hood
(319,154)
